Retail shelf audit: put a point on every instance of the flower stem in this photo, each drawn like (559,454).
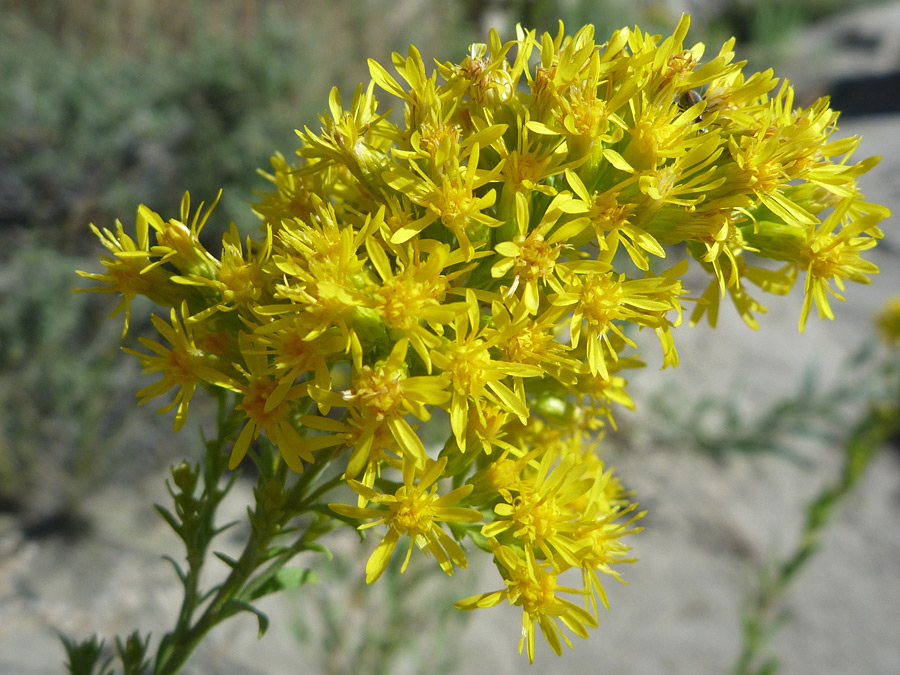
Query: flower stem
(252,574)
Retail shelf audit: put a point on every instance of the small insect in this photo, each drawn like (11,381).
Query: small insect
(688,99)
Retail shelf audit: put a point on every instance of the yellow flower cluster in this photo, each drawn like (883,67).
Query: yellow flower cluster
(487,251)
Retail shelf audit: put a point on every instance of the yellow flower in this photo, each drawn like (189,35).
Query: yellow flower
(533,341)
(238,280)
(423,104)
(452,198)
(534,159)
(485,76)
(534,587)
(605,547)
(536,512)
(531,256)
(735,99)
(476,377)
(475,255)
(296,195)
(571,100)
(410,301)
(599,297)
(596,394)
(322,272)
(383,395)
(130,271)
(834,255)
(183,365)
(349,137)
(414,511)
(684,182)
(609,218)
(776,282)
(266,403)
(180,246)
(297,348)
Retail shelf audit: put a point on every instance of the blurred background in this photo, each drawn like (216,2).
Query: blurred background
(107,104)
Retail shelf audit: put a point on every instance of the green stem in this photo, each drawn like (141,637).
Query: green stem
(275,507)
(185,639)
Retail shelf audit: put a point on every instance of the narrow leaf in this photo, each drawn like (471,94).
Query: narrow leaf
(227,559)
(178,570)
(236,606)
(285,579)
(170,519)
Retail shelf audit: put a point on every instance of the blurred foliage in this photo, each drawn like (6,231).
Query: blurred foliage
(163,95)
(762,22)
(60,415)
(402,624)
(765,609)
(720,427)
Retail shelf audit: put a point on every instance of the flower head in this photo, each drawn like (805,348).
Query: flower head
(483,260)
(266,404)
(183,365)
(414,510)
(535,587)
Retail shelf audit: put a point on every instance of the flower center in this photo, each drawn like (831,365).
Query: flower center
(601,297)
(255,398)
(414,511)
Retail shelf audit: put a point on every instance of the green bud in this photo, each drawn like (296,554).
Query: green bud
(368,327)
(776,240)
(555,409)
(185,477)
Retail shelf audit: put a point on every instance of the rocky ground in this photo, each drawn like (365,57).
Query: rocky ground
(709,525)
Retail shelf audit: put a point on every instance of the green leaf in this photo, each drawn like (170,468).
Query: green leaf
(275,551)
(479,540)
(227,559)
(84,657)
(173,522)
(235,606)
(177,567)
(226,526)
(319,548)
(133,653)
(352,522)
(209,594)
(285,579)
